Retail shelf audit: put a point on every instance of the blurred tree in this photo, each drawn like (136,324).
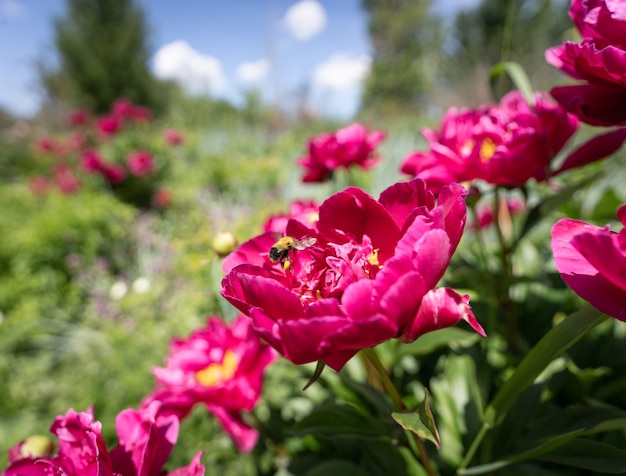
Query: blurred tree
(406,39)
(497,30)
(102,47)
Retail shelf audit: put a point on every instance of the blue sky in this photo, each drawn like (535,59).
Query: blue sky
(281,47)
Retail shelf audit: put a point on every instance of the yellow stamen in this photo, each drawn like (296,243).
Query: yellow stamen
(214,374)
(373,258)
(487,149)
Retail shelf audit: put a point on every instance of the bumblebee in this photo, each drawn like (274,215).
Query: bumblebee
(279,252)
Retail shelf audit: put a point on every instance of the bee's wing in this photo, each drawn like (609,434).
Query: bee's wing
(305,243)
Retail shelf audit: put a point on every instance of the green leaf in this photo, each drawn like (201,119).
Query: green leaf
(334,466)
(551,203)
(517,75)
(552,345)
(319,368)
(432,341)
(421,422)
(591,455)
(341,421)
(545,447)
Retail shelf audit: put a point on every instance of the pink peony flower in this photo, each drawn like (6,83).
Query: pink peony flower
(109,124)
(38,185)
(78,117)
(162,198)
(122,107)
(140,163)
(173,136)
(592,261)
(146,440)
(370,276)
(505,144)
(114,173)
(46,145)
(218,366)
(484,211)
(599,60)
(92,161)
(140,114)
(65,179)
(306,213)
(349,146)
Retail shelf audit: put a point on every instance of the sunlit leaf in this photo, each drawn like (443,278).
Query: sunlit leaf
(421,422)
(517,75)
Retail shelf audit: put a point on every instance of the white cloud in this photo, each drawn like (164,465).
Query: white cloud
(253,71)
(12,9)
(197,73)
(341,72)
(305,19)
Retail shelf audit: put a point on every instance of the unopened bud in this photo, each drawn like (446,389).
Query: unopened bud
(224,243)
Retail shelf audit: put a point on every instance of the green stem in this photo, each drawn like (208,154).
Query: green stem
(392,391)
(472,449)
(507,274)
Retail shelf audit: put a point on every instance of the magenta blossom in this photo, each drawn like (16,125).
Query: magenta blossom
(173,136)
(349,146)
(140,163)
(370,275)
(109,124)
(145,443)
(599,61)
(79,117)
(306,212)
(218,366)
(505,144)
(592,261)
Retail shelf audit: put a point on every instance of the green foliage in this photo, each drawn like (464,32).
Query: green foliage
(103,54)
(496,31)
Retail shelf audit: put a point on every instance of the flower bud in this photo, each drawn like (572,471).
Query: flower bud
(224,243)
(35,446)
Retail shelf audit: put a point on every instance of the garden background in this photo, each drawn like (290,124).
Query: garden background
(101,266)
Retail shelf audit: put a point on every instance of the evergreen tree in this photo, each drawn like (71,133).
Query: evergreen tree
(406,41)
(103,55)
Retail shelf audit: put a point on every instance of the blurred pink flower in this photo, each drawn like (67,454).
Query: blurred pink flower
(485,214)
(140,163)
(370,276)
(306,212)
(38,185)
(73,143)
(79,117)
(114,173)
(162,198)
(599,60)
(109,124)
(349,146)
(140,114)
(46,145)
(173,136)
(92,161)
(218,366)
(592,261)
(505,144)
(65,179)
(122,107)
(146,440)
